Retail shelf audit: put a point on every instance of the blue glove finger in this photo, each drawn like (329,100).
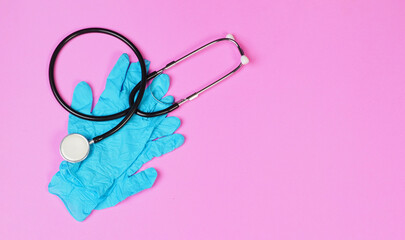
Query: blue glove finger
(161,104)
(164,145)
(58,187)
(82,101)
(117,76)
(133,77)
(109,101)
(160,86)
(168,126)
(164,103)
(167,100)
(156,149)
(127,186)
(82,98)
(155,92)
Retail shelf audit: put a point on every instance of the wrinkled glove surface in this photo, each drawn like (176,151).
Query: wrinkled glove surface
(106,176)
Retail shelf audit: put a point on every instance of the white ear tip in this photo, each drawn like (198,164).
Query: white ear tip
(230,36)
(244,60)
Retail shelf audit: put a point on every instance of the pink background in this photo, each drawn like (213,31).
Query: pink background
(306,142)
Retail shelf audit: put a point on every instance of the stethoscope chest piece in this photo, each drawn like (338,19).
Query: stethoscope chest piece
(74,148)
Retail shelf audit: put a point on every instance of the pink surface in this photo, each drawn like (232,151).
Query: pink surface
(306,142)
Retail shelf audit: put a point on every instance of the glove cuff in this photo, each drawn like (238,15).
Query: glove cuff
(78,200)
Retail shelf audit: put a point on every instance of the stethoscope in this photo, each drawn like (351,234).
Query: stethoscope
(75,147)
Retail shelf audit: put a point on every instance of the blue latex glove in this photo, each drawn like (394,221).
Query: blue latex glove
(106,176)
